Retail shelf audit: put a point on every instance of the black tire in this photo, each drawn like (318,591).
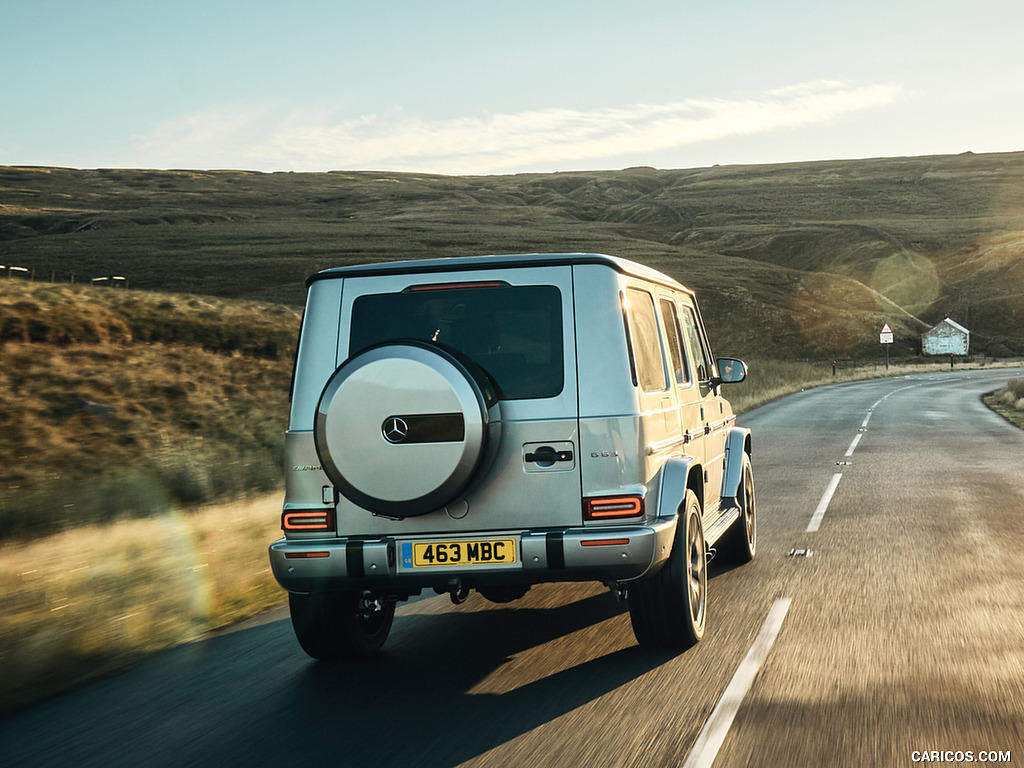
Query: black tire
(739,544)
(339,625)
(668,609)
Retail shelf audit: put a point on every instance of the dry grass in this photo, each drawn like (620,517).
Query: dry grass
(120,412)
(85,603)
(63,315)
(102,418)
(1008,402)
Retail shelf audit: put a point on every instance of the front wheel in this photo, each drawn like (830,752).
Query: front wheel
(668,609)
(338,625)
(739,544)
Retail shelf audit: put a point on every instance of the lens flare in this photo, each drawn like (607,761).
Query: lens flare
(908,279)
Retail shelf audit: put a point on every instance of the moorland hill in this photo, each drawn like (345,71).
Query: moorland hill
(795,260)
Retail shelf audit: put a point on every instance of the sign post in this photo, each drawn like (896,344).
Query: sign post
(885,339)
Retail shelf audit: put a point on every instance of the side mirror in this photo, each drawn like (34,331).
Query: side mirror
(731,371)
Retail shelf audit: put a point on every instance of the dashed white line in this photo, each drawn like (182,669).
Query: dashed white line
(853,445)
(711,737)
(819,513)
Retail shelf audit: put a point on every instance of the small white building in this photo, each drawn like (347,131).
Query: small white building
(946,338)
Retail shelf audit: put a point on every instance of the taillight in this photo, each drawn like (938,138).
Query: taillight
(613,507)
(308,520)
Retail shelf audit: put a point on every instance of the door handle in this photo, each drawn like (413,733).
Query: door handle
(546,456)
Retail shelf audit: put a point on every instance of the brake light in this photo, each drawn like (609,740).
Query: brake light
(612,507)
(308,520)
(455,286)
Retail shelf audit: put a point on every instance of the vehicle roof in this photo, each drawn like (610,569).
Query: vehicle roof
(460,263)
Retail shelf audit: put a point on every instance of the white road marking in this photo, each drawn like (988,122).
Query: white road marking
(853,445)
(866,420)
(711,737)
(819,513)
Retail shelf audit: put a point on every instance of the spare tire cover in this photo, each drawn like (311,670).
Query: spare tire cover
(402,428)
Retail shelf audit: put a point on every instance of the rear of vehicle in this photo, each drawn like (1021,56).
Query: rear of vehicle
(496,422)
(460,424)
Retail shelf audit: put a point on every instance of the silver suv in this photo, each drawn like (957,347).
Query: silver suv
(495,422)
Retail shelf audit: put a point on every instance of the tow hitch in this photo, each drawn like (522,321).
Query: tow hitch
(457,591)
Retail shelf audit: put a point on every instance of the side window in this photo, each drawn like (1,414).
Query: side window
(673,339)
(698,354)
(645,341)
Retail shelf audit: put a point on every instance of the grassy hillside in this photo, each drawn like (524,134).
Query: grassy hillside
(806,259)
(125,400)
(116,402)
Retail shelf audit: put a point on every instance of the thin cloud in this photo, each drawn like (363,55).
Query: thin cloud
(267,137)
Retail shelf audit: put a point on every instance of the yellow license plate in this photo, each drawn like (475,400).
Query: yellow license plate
(426,554)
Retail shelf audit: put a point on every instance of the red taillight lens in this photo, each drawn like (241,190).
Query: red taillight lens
(456,286)
(308,520)
(612,507)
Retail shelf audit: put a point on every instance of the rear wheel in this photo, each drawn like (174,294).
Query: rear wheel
(338,625)
(668,609)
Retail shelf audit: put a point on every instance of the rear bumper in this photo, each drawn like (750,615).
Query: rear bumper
(610,554)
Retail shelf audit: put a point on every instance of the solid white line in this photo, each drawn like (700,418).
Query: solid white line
(823,504)
(711,737)
(853,445)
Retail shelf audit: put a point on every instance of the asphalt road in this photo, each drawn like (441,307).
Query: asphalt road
(901,633)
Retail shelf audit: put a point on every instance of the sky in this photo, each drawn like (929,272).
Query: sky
(477,87)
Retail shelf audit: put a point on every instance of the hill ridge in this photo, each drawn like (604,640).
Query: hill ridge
(786,255)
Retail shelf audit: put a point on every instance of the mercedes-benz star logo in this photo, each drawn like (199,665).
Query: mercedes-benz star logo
(394,429)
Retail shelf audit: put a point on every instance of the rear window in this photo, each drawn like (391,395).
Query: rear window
(512,332)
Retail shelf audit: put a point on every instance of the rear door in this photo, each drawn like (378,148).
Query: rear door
(516,324)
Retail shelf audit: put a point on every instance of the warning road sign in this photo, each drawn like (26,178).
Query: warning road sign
(886,335)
